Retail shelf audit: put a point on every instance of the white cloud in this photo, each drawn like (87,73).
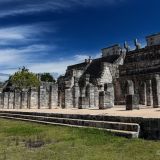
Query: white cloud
(30,6)
(13,59)
(24,32)
(81,57)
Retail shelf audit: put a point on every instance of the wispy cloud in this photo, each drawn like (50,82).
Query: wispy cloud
(24,33)
(10,7)
(14,59)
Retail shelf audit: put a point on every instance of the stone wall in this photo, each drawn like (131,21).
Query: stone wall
(46,97)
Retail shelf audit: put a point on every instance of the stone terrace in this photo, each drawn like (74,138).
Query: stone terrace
(144,112)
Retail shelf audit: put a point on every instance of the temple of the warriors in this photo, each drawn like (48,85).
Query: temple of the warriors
(121,76)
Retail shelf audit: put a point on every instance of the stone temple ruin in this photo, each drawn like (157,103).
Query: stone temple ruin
(121,76)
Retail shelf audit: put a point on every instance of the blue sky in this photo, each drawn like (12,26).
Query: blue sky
(49,35)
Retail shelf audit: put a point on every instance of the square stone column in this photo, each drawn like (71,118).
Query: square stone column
(130,87)
(17,100)
(34,99)
(6,100)
(53,96)
(24,99)
(156,91)
(1,100)
(68,98)
(76,95)
(149,92)
(90,95)
(142,93)
(132,102)
(96,97)
(42,98)
(105,100)
(11,100)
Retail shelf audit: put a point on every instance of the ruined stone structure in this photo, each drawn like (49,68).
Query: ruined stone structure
(140,74)
(120,76)
(90,84)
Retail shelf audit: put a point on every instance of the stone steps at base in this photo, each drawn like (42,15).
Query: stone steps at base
(75,116)
(127,134)
(130,130)
(80,122)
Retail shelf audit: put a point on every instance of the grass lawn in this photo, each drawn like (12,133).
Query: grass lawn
(31,141)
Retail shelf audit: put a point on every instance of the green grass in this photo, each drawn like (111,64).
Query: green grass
(63,143)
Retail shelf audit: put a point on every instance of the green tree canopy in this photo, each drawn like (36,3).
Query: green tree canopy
(47,77)
(24,79)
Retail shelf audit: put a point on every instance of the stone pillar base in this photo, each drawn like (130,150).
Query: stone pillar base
(105,100)
(132,102)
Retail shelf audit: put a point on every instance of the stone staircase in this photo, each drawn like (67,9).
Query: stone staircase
(129,130)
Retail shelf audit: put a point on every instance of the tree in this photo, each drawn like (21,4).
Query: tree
(47,77)
(24,79)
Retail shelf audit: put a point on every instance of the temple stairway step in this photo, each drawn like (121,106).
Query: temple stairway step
(72,116)
(129,130)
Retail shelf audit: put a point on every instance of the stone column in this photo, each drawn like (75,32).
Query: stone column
(130,87)
(142,93)
(101,100)
(105,100)
(54,96)
(156,91)
(96,97)
(59,98)
(24,99)
(118,93)
(132,102)
(17,100)
(11,100)
(34,99)
(63,99)
(1,100)
(76,95)
(6,100)
(149,92)
(91,96)
(106,97)
(42,98)
(68,98)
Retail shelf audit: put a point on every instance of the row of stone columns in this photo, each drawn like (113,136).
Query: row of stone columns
(79,97)
(148,91)
(33,99)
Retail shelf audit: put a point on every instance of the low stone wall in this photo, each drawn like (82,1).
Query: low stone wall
(42,98)
(149,127)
